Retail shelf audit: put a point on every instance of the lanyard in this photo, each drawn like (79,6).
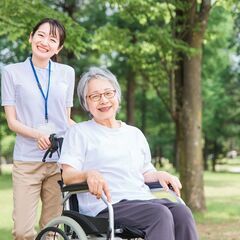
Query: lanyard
(40,87)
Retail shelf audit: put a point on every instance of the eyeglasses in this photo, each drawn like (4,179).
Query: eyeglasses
(97,96)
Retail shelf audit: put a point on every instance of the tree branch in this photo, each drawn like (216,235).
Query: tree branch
(204,10)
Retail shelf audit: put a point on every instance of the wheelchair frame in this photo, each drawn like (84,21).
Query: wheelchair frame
(73,227)
(77,229)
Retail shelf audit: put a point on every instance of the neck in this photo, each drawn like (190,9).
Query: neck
(41,63)
(110,123)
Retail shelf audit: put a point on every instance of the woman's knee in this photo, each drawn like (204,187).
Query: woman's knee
(162,213)
(182,214)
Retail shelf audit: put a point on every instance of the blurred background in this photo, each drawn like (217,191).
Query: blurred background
(178,66)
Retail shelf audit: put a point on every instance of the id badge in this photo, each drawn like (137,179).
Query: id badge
(47,128)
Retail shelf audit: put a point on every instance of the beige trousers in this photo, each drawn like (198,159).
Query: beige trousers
(33,181)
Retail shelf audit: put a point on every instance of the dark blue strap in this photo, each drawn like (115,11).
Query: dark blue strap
(40,86)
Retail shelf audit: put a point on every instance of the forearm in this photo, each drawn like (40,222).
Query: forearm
(71,175)
(24,130)
(18,127)
(150,176)
(96,183)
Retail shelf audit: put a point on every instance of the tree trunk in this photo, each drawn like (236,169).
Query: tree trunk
(189,104)
(143,111)
(179,76)
(205,154)
(191,166)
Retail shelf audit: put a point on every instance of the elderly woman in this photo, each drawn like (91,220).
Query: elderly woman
(114,159)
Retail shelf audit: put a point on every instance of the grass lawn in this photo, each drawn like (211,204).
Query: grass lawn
(5,204)
(221,221)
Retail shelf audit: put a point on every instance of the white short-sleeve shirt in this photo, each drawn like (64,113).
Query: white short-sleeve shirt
(121,155)
(19,88)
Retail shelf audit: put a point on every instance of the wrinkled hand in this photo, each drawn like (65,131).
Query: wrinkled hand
(43,142)
(165,179)
(97,184)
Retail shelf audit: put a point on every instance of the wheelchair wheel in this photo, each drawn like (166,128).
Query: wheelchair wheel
(69,226)
(51,233)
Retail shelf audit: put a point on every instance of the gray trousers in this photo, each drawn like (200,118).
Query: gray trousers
(159,219)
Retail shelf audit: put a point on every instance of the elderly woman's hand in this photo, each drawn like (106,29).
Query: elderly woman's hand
(167,179)
(97,184)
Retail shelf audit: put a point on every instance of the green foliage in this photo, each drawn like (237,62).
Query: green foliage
(7,138)
(220,88)
(7,143)
(17,19)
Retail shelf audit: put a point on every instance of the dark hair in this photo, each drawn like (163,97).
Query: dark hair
(55,25)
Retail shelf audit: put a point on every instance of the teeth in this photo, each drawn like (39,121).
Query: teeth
(104,109)
(42,49)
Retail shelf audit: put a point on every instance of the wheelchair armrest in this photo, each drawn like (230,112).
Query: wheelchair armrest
(156,186)
(75,187)
(153,185)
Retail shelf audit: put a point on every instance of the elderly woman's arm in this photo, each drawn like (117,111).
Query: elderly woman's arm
(164,179)
(96,183)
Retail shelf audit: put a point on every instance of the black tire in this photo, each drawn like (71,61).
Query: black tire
(69,226)
(54,230)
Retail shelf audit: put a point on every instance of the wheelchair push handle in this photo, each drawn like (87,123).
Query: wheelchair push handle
(56,145)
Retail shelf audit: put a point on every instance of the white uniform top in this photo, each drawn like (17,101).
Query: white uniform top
(121,155)
(19,89)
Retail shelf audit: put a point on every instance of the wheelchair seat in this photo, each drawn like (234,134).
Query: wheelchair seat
(98,226)
(73,225)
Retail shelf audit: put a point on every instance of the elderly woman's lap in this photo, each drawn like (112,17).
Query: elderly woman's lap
(157,218)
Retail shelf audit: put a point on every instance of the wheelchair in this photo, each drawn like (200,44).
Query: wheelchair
(73,225)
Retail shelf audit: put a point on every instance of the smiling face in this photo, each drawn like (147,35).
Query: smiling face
(104,110)
(44,43)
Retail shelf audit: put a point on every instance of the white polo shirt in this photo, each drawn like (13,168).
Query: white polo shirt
(121,155)
(19,89)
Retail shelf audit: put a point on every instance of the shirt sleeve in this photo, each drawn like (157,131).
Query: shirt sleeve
(70,91)
(148,166)
(7,89)
(73,148)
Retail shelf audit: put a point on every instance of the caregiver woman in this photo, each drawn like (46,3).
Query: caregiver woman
(37,96)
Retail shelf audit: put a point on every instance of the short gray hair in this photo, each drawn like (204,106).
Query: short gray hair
(95,73)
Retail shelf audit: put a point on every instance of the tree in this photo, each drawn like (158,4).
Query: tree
(190,25)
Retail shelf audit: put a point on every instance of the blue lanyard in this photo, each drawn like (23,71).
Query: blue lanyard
(40,86)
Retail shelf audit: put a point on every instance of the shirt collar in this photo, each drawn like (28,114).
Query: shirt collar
(53,65)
